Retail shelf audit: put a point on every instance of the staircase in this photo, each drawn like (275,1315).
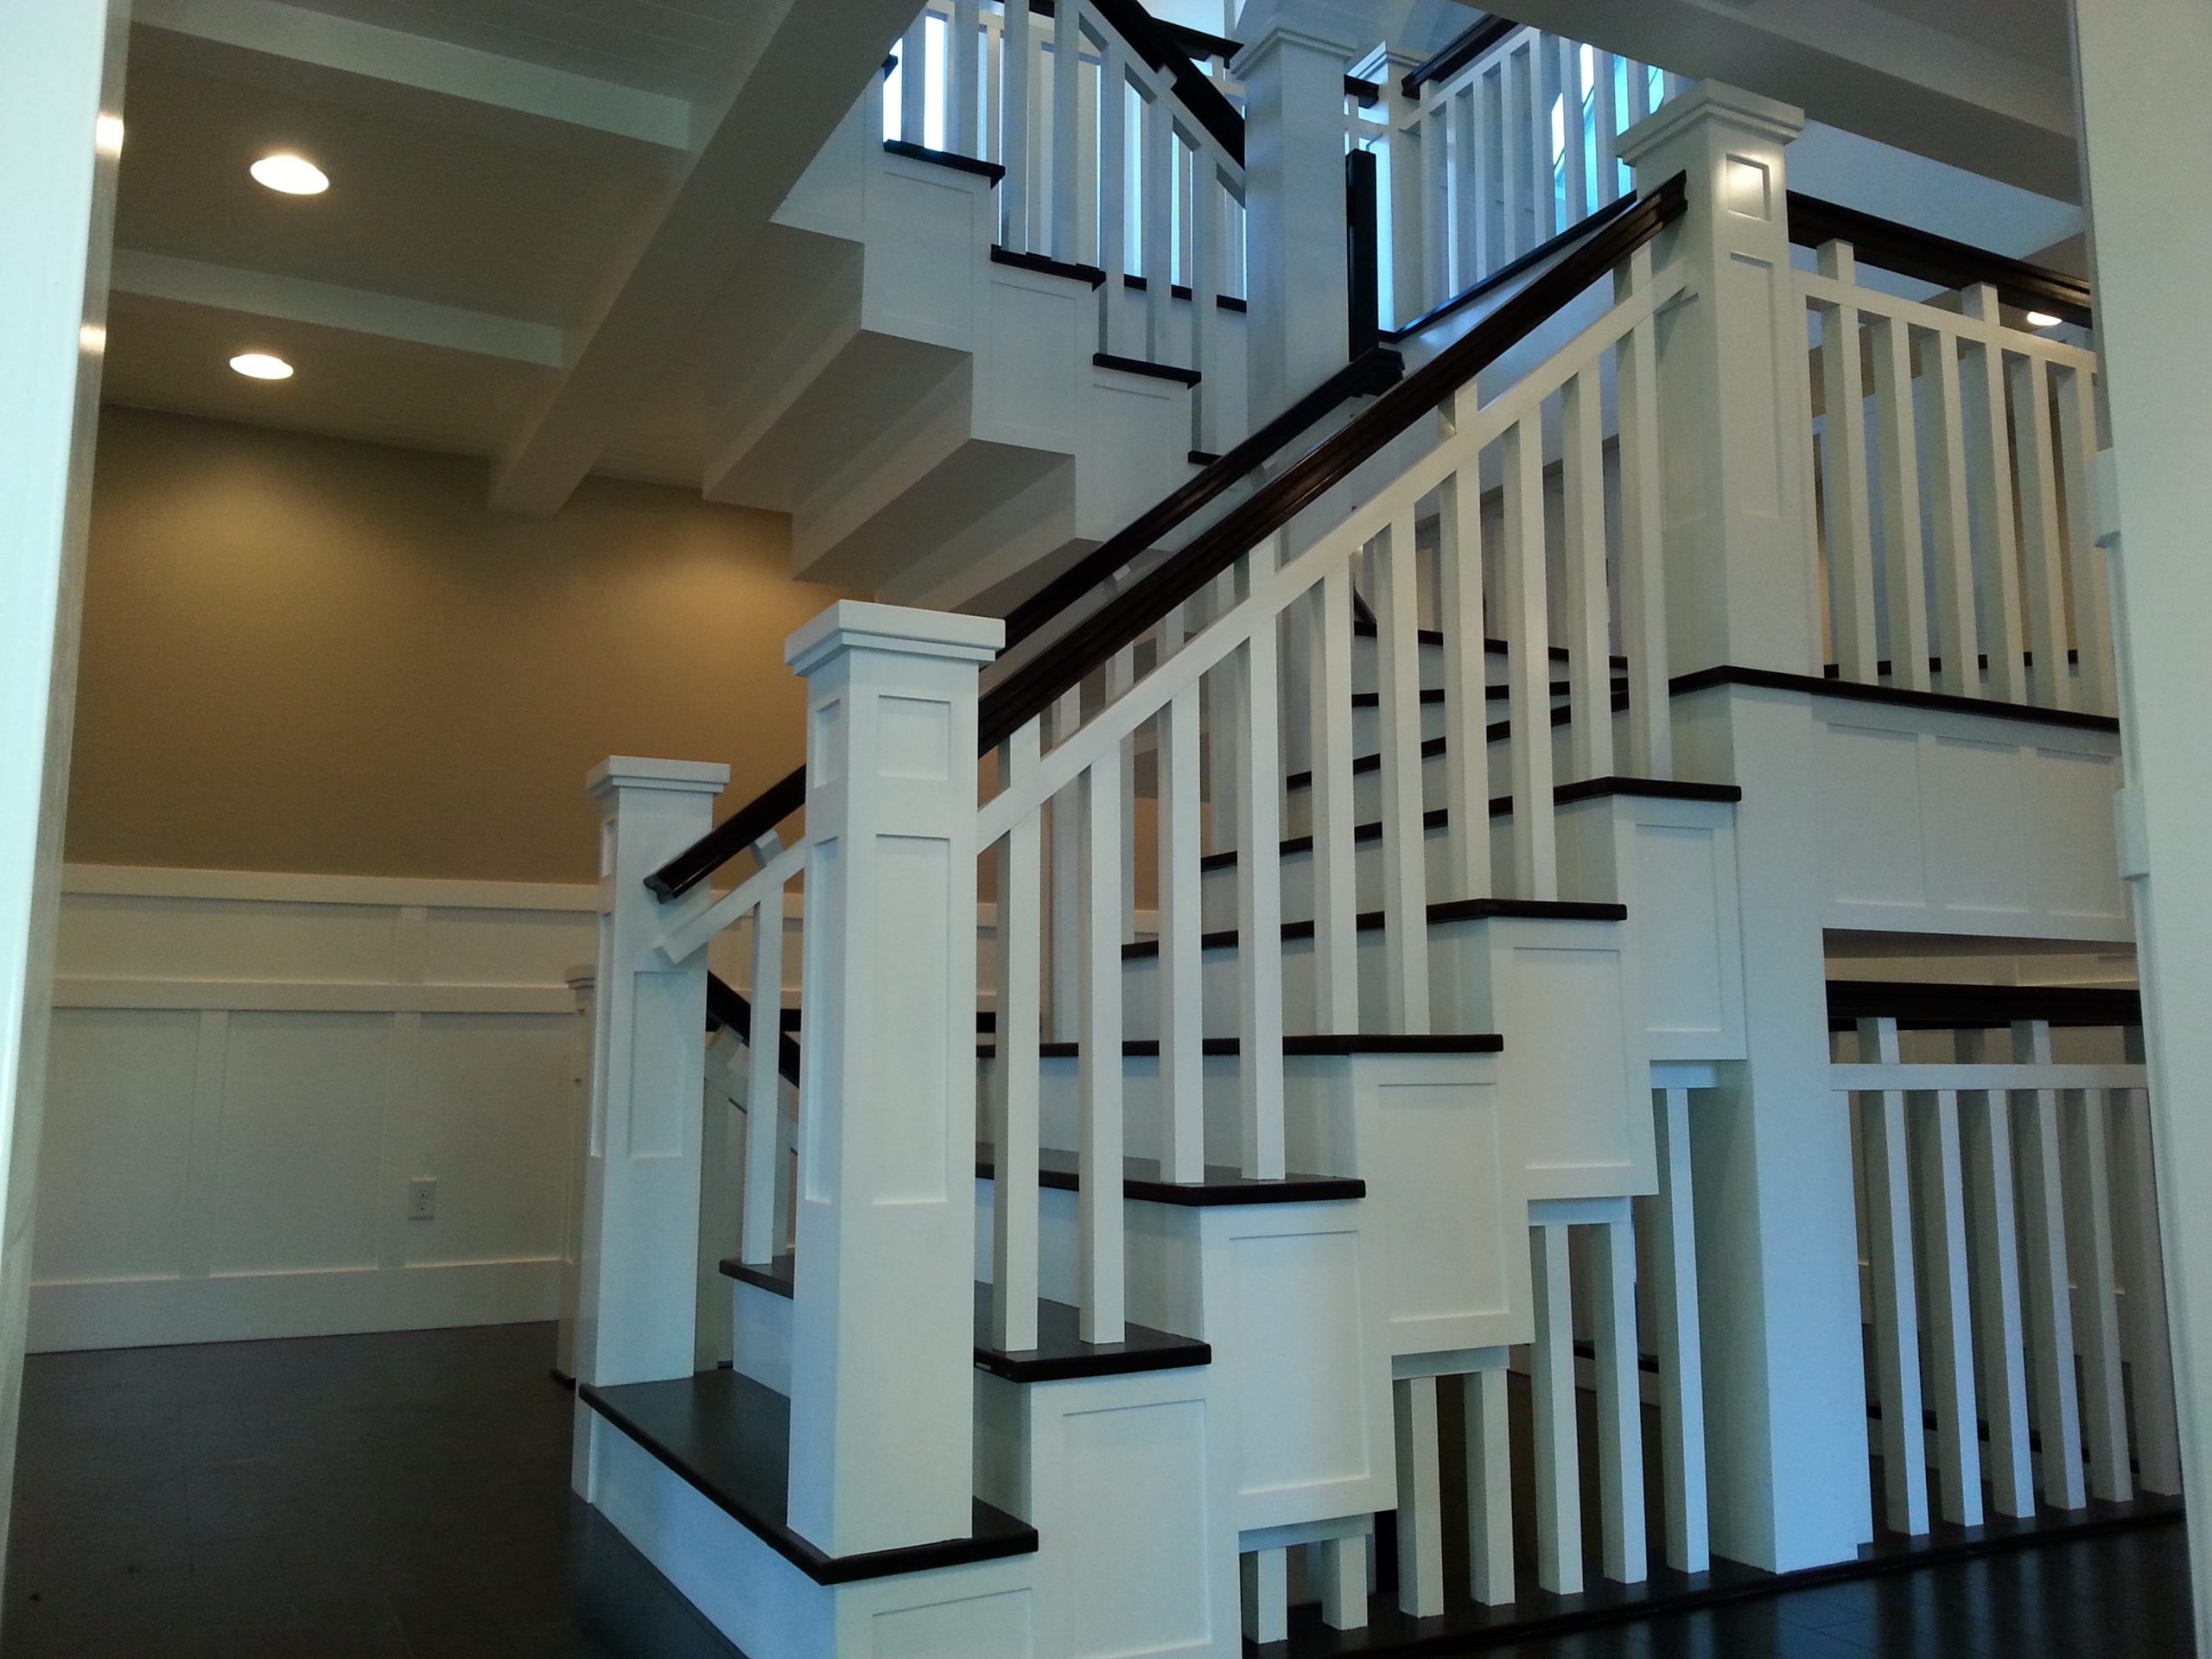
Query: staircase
(1379,840)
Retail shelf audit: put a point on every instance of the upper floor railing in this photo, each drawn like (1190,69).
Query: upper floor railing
(1951,441)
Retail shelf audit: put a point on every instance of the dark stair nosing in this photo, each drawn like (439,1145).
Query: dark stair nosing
(1046,265)
(1174,372)
(1452,910)
(1366,628)
(1060,1355)
(947,158)
(1895,696)
(1497,732)
(1221,1186)
(1201,457)
(728,1436)
(1182,291)
(1501,806)
(1325,1045)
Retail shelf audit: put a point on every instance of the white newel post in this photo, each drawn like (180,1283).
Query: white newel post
(1292,68)
(1771,1150)
(636,1308)
(883,1326)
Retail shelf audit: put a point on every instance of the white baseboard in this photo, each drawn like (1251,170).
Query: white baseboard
(66,1315)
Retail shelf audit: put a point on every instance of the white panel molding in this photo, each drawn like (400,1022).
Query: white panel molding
(297,34)
(469,1082)
(328,305)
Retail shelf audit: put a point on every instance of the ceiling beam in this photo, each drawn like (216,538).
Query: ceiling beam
(1857,65)
(326,305)
(293,35)
(810,62)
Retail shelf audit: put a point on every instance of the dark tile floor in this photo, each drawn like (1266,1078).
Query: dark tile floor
(406,1497)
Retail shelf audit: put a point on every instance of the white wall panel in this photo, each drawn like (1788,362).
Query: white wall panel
(250,1069)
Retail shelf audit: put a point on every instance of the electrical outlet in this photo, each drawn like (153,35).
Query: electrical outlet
(422,1201)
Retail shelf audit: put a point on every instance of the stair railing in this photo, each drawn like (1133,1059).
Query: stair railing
(1122,160)
(1076,788)
(1954,543)
(2010,1240)
(1504,138)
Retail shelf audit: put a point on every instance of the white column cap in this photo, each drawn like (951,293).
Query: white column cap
(1768,117)
(670,777)
(856,624)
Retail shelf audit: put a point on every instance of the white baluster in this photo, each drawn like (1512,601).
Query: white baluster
(1950,1315)
(1489,1487)
(1620,1404)
(1466,678)
(1067,142)
(2049,1311)
(1181,1022)
(1100,1249)
(1642,577)
(1897,454)
(1420,1500)
(1121,677)
(1851,550)
(1551,92)
(1063,1000)
(1015,1133)
(1340,1565)
(1605,119)
(1112,199)
(2002,1336)
(1897,1312)
(1528,624)
(1514,157)
(1013,150)
(1433,156)
(1989,475)
(1957,640)
(1574,157)
(1482,170)
(1405,855)
(1559,1458)
(1209,353)
(961,42)
(1159,223)
(1329,796)
(760,1233)
(2094,679)
(1266,1575)
(2090,1239)
(1589,588)
(2042,548)
(2144,1332)
(1681,1345)
(1259,900)
(1466,186)
(914,80)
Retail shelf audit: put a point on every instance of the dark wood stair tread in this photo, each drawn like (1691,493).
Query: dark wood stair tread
(1454,910)
(1060,1352)
(1141,1179)
(1501,806)
(729,1436)
(1305,1047)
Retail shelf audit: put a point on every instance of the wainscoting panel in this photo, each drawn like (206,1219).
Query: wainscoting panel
(248,1072)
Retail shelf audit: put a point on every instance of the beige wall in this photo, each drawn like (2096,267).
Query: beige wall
(306,654)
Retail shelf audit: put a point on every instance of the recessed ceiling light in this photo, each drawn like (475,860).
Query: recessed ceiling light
(2043,320)
(107,135)
(260,365)
(295,175)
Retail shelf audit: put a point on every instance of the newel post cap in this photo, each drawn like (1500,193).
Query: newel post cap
(1764,118)
(902,630)
(620,771)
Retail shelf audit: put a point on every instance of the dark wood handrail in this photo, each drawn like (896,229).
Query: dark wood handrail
(1145,35)
(1979,1007)
(1032,688)
(1927,257)
(1458,53)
